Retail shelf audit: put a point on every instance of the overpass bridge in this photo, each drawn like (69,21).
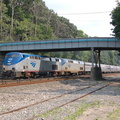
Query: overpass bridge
(95,44)
(100,43)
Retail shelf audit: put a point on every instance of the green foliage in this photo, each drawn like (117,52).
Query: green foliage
(82,34)
(110,58)
(116,20)
(24,20)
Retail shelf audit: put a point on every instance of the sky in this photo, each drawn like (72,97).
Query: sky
(91,16)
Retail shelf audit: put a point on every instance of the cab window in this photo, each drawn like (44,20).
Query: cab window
(14,55)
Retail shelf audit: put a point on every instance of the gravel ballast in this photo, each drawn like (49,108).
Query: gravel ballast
(101,105)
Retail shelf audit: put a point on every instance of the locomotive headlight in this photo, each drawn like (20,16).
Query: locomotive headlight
(13,69)
(3,68)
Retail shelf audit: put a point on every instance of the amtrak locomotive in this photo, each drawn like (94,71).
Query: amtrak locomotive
(18,64)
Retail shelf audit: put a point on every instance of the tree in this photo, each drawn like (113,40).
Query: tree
(36,11)
(13,4)
(22,20)
(116,20)
(82,34)
(3,20)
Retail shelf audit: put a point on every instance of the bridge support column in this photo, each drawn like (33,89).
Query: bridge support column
(1,61)
(96,73)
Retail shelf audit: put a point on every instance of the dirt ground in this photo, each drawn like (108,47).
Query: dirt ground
(108,102)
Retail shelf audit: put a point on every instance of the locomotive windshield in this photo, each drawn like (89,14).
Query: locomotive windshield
(13,55)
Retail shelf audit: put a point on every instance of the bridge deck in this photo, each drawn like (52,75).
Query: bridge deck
(99,43)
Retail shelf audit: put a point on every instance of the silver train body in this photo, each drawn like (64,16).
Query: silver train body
(17,64)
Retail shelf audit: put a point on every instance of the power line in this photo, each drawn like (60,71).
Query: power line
(85,13)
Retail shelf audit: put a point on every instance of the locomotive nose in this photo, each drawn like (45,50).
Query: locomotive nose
(11,59)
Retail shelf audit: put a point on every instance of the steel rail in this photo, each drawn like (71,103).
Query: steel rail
(73,100)
(18,109)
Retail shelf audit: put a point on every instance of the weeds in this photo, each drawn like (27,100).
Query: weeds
(81,109)
(3,109)
(49,113)
(114,114)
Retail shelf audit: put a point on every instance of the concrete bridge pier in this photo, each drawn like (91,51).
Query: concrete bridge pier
(96,73)
(2,55)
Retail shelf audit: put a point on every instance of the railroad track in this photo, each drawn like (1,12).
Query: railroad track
(18,82)
(91,89)
(73,100)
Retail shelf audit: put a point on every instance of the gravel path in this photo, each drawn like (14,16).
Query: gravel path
(101,105)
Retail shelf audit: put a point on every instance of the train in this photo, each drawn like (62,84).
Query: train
(17,65)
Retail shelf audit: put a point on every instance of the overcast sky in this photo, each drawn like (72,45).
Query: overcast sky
(85,14)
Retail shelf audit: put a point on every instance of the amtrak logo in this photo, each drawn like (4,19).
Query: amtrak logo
(69,66)
(63,62)
(33,64)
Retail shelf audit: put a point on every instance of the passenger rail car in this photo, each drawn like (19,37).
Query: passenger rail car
(18,64)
